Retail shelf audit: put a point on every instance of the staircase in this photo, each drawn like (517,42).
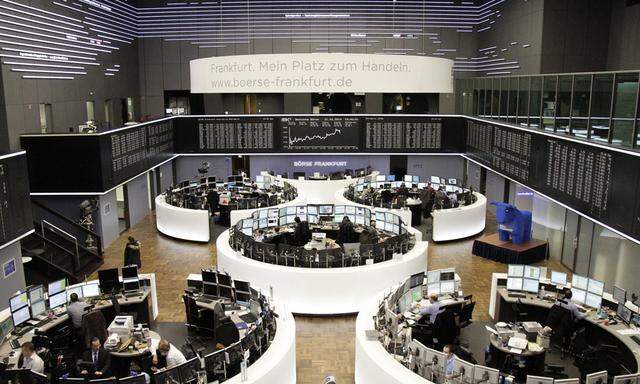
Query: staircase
(58,246)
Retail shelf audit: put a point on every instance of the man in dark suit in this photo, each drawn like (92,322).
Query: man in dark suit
(99,357)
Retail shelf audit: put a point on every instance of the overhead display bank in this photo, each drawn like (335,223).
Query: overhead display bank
(319,134)
(321,72)
(15,202)
(598,182)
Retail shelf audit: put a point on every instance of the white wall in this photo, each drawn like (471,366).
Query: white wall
(138,199)
(426,166)
(14,282)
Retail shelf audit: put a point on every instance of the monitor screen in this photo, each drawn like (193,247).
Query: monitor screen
(6,327)
(452,181)
(224,279)
(57,286)
(209,276)
(435,179)
(129,271)
(433,276)
(447,287)
(20,316)
(259,179)
(57,300)
(91,290)
(262,214)
(415,179)
(226,292)
(77,289)
(531,272)
(38,308)
(596,286)
(326,209)
(18,301)
(391,177)
(360,220)
(579,296)
(249,231)
(514,284)
(380,216)
(515,270)
(291,210)
(339,209)
(530,285)
(350,209)
(312,209)
(108,279)
(624,313)
(579,282)
(242,286)
(380,178)
(433,288)
(558,278)
(36,293)
(593,300)
(447,274)
(417,279)
(619,295)
(210,289)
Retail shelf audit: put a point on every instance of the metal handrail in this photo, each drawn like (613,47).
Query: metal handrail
(73,238)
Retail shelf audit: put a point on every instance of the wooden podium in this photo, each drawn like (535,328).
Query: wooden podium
(491,247)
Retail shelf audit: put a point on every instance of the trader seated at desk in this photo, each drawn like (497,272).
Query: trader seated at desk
(370,235)
(430,307)
(302,234)
(76,309)
(259,235)
(30,359)
(98,357)
(566,303)
(346,233)
(166,356)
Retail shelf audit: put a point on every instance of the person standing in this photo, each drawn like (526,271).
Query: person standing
(132,253)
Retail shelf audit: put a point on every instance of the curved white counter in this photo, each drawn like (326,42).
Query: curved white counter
(181,223)
(278,363)
(321,291)
(374,365)
(461,222)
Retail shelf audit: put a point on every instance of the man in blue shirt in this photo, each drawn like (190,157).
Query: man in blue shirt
(449,361)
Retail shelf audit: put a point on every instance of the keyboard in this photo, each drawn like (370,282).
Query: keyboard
(132,294)
(43,322)
(24,330)
(15,344)
(515,294)
(636,339)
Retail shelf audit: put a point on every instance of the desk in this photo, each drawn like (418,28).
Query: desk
(181,223)
(597,332)
(131,353)
(491,247)
(534,361)
(461,222)
(321,290)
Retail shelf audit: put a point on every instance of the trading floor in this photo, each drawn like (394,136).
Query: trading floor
(324,345)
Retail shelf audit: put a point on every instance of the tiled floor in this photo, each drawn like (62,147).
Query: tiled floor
(324,345)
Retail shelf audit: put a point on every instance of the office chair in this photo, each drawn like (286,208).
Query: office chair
(560,320)
(195,318)
(465,315)
(226,332)
(517,310)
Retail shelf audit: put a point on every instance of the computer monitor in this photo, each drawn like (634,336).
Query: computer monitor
(57,300)
(567,381)
(448,274)
(18,301)
(77,289)
(531,272)
(624,313)
(485,375)
(242,286)
(38,308)
(619,295)
(593,300)
(130,271)
(597,378)
(131,284)
(626,379)
(515,270)
(530,285)
(433,288)
(210,289)
(243,297)
(539,380)
(380,178)
(326,210)
(391,177)
(91,290)
(36,293)
(514,283)
(57,286)
(109,279)
(224,279)
(558,278)
(579,282)
(20,316)
(596,286)
(447,287)
(138,379)
(209,276)
(435,359)
(433,276)
(188,371)
(452,181)
(463,369)
(435,179)
(579,296)
(6,327)
(214,364)
(226,292)
(416,279)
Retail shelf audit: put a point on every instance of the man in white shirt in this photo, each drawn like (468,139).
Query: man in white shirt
(30,359)
(430,307)
(569,305)
(75,310)
(166,356)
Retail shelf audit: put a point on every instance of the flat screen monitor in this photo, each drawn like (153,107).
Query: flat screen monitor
(91,290)
(619,295)
(131,285)
(558,278)
(463,369)
(380,216)
(263,214)
(259,179)
(579,282)
(57,286)
(624,313)
(57,300)
(391,177)
(291,210)
(515,270)
(262,223)
(209,276)
(226,292)
(433,276)
(359,220)
(539,380)
(36,293)
(530,285)
(38,308)
(312,210)
(325,210)
(243,297)
(6,327)
(77,289)
(579,296)
(350,209)
(108,279)
(433,288)
(514,283)
(242,286)
(18,301)
(447,287)
(631,378)
(165,376)
(188,371)
(435,179)
(593,300)
(448,274)
(210,289)
(20,316)
(339,209)
(486,375)
(596,286)
(380,178)
(531,272)
(247,223)
(422,185)
(452,181)
(130,271)
(407,178)
(249,231)
(597,378)
(415,179)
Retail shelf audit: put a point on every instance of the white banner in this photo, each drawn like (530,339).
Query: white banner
(321,72)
